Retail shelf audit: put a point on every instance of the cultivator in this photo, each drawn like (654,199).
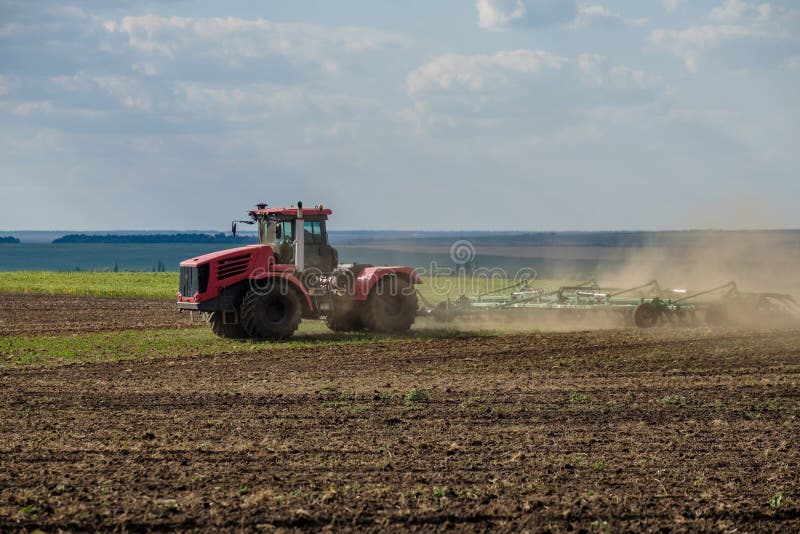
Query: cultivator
(645,306)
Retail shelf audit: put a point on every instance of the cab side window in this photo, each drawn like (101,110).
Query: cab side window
(285,231)
(313,231)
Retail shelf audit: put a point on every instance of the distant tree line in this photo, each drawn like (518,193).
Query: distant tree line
(156,238)
(9,239)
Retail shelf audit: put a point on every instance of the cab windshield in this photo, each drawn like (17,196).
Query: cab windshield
(277,231)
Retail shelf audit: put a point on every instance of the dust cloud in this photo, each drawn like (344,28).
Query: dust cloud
(758,261)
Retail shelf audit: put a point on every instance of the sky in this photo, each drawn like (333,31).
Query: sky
(415,115)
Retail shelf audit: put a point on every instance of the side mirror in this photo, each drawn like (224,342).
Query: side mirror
(233,228)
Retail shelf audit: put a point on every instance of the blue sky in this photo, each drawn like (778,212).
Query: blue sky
(447,115)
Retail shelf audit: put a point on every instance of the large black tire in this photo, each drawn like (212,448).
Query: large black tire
(271,313)
(391,306)
(215,321)
(645,315)
(347,322)
(345,315)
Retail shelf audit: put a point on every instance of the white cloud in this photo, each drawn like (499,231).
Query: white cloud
(254,102)
(11,29)
(590,67)
(618,115)
(5,85)
(480,72)
(27,108)
(793,63)
(499,14)
(595,15)
(235,41)
(671,5)
(145,68)
(736,11)
(30,108)
(593,71)
(687,44)
(125,90)
(729,21)
(261,102)
(624,77)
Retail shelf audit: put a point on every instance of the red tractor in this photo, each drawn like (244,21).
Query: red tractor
(263,291)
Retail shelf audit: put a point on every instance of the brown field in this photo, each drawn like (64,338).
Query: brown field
(604,430)
(32,314)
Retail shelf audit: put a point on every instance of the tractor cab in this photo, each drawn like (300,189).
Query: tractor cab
(297,235)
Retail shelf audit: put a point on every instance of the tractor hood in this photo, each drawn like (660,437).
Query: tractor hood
(203,277)
(221,255)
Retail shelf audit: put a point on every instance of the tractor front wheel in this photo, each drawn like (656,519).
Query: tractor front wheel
(645,315)
(230,330)
(271,313)
(391,306)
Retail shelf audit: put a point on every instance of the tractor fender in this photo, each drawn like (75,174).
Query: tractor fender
(261,275)
(369,277)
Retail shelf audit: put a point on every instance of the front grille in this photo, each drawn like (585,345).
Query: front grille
(234,266)
(189,284)
(193,280)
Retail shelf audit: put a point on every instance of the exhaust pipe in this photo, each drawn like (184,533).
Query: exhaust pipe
(299,240)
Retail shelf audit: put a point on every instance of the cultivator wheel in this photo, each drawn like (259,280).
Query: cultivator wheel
(391,306)
(225,326)
(646,315)
(273,313)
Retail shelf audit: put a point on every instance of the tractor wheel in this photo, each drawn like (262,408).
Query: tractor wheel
(349,322)
(344,315)
(391,306)
(645,315)
(273,313)
(216,322)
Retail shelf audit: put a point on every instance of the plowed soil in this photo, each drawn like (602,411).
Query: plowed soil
(32,314)
(598,431)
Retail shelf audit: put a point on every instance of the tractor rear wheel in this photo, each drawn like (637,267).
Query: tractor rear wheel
(271,313)
(645,315)
(230,330)
(391,306)
(347,322)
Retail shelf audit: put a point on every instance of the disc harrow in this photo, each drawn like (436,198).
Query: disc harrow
(645,306)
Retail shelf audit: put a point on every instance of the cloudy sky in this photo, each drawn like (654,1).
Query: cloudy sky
(446,115)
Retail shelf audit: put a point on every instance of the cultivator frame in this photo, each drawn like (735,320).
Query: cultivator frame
(644,306)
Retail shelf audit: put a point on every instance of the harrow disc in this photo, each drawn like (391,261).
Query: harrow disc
(646,315)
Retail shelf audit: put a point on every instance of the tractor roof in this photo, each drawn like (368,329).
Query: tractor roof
(316,211)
